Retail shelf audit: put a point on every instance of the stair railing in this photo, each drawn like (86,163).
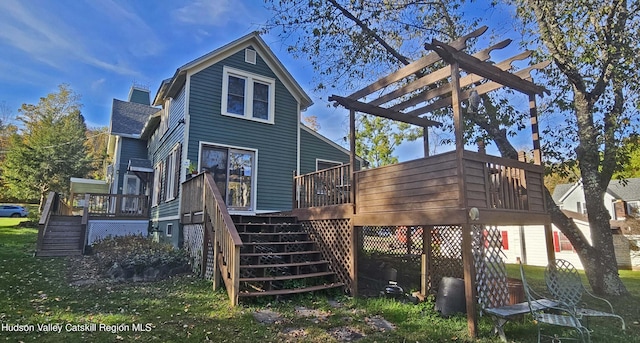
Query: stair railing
(220,233)
(84,222)
(47,211)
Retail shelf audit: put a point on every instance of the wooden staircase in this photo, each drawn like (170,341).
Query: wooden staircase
(63,237)
(278,258)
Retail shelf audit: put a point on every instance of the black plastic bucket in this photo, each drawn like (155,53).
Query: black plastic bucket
(450,298)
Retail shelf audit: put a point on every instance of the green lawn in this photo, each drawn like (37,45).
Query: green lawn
(185,309)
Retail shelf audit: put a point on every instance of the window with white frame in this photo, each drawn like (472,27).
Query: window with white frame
(164,119)
(157,173)
(633,208)
(172,173)
(248,95)
(169,232)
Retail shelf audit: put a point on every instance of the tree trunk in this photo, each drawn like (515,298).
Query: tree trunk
(600,262)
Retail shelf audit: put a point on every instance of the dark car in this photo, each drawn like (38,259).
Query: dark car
(13,211)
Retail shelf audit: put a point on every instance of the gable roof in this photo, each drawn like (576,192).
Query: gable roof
(627,190)
(128,118)
(170,87)
(330,142)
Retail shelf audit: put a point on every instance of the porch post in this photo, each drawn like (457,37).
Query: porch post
(352,155)
(425,141)
(469,280)
(548,236)
(535,134)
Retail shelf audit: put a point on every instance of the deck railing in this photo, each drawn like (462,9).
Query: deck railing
(323,188)
(499,183)
(203,203)
(426,184)
(118,205)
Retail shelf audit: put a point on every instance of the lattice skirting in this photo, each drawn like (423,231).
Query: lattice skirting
(446,254)
(491,273)
(333,237)
(193,242)
(99,229)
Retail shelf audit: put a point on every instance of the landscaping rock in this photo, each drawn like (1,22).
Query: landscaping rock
(267,317)
(116,272)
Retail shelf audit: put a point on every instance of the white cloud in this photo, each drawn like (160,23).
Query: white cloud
(47,38)
(97,84)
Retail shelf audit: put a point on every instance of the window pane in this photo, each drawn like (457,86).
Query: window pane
(240,176)
(214,160)
(235,96)
(260,101)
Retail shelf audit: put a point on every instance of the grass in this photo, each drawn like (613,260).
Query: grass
(185,309)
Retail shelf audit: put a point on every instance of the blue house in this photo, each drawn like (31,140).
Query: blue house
(234,112)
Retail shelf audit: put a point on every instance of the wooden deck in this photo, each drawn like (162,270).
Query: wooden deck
(428,191)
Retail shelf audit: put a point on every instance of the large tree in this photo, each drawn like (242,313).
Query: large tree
(594,47)
(357,40)
(350,43)
(49,149)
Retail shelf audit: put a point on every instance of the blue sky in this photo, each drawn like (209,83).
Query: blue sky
(101,47)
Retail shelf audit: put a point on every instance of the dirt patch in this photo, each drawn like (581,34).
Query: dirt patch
(316,316)
(267,317)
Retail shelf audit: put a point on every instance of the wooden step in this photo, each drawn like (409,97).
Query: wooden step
(278,237)
(285,277)
(268,228)
(264,219)
(292,290)
(64,228)
(282,253)
(298,264)
(60,240)
(67,246)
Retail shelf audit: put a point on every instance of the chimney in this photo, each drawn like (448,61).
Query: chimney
(139,94)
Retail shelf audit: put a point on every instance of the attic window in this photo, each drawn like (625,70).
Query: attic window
(250,56)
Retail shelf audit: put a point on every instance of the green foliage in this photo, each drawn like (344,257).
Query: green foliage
(137,253)
(186,309)
(49,149)
(377,138)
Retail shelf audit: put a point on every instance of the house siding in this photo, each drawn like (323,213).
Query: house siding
(313,148)
(130,148)
(276,143)
(160,146)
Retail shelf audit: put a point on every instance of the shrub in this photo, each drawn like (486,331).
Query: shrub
(135,254)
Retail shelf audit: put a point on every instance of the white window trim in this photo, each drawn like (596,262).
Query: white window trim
(171,178)
(254,182)
(156,186)
(338,163)
(248,92)
(170,225)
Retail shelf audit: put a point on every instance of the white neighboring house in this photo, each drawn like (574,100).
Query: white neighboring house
(622,200)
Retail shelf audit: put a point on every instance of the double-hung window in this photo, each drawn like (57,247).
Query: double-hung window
(248,95)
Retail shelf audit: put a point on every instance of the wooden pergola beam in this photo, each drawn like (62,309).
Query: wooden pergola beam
(464,81)
(484,69)
(481,89)
(414,67)
(382,112)
(434,76)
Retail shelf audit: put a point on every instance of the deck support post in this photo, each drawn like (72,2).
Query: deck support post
(548,236)
(469,280)
(535,134)
(352,155)
(353,270)
(425,267)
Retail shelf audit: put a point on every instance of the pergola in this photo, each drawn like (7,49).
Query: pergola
(411,93)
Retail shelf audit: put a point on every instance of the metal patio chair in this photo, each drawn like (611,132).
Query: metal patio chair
(552,316)
(564,283)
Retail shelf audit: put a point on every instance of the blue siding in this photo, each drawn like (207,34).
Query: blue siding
(130,148)
(276,143)
(312,148)
(160,146)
